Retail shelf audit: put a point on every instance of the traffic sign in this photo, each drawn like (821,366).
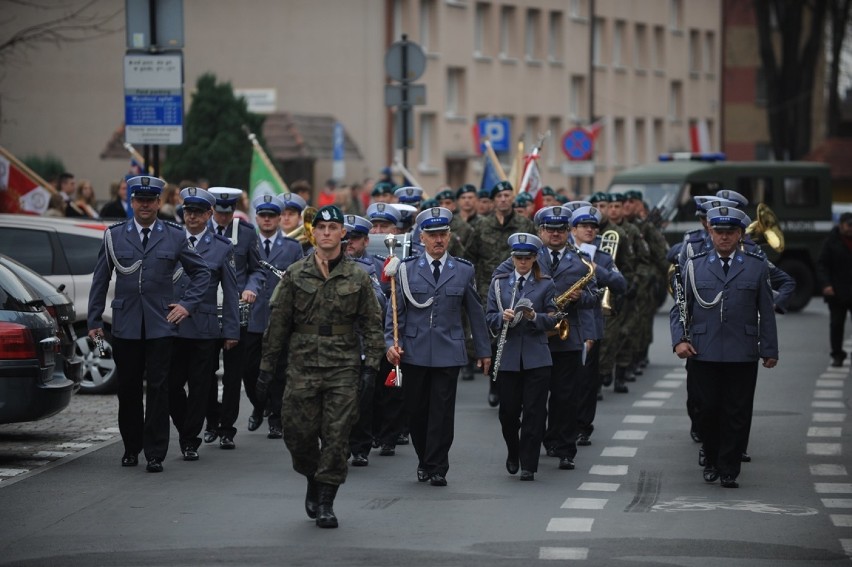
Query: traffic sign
(153,99)
(416,94)
(405,61)
(578,168)
(497,132)
(578,144)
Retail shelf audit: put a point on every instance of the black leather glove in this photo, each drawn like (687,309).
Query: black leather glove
(368,378)
(261,389)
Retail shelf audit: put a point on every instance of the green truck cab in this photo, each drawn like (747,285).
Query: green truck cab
(799,193)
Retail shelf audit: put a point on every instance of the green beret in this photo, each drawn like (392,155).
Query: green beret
(429,203)
(617,198)
(599,197)
(329,213)
(445,194)
(501,186)
(548,190)
(633,194)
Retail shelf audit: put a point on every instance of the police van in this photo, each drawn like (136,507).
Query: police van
(798,193)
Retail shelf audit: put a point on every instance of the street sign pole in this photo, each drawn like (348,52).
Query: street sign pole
(405,62)
(404,107)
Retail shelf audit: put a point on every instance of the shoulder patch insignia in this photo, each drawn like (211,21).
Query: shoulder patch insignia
(119,223)
(173,224)
(231,261)
(700,254)
(755,254)
(463,260)
(380,257)
(409,258)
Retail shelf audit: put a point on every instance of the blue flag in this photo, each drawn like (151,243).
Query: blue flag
(490,177)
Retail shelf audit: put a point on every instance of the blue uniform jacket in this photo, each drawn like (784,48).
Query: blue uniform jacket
(741,327)
(526,343)
(607,275)
(434,336)
(218,253)
(283,252)
(143,297)
(367,264)
(250,275)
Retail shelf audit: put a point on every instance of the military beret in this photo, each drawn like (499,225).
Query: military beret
(429,203)
(483,194)
(501,186)
(633,194)
(446,194)
(329,213)
(599,197)
(617,198)
(382,188)
(548,190)
(466,188)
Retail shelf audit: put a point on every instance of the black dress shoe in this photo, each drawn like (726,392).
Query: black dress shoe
(129,460)
(512,466)
(376,444)
(387,451)
(606,379)
(255,421)
(583,440)
(695,437)
(620,388)
(274,432)
(527,475)
(566,464)
(745,458)
(190,454)
(837,362)
(551,452)
(154,465)
(422,476)
(227,442)
(210,436)
(702,458)
(711,473)
(437,480)
(402,439)
(493,399)
(360,460)
(729,481)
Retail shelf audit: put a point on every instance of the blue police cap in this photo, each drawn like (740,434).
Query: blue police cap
(574,205)
(406,214)
(699,201)
(501,186)
(409,194)
(145,186)
(434,219)
(555,216)
(226,198)
(292,201)
(383,212)
(197,198)
(590,215)
(727,218)
(733,196)
(717,202)
(357,225)
(524,244)
(329,213)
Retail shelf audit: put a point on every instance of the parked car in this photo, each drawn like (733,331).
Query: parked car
(64,251)
(60,307)
(29,387)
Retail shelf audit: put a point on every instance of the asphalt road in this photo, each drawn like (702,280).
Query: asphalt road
(636,497)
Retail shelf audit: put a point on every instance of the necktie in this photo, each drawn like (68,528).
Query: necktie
(521,283)
(145,232)
(266,245)
(193,240)
(436,271)
(220,230)
(725,265)
(555,255)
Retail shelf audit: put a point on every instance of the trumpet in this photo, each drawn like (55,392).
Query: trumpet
(562,327)
(273,269)
(766,227)
(609,244)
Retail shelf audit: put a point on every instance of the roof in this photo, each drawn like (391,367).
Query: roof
(835,152)
(288,136)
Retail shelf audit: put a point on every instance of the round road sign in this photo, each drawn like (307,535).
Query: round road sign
(577,143)
(415,61)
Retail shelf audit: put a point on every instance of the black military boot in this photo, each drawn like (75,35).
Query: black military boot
(311,498)
(620,387)
(325,512)
(606,379)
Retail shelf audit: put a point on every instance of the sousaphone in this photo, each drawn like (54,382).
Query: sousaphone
(766,227)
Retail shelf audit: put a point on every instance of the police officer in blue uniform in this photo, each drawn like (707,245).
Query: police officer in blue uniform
(144,252)
(197,336)
(726,325)
(520,302)
(434,290)
(276,252)
(250,280)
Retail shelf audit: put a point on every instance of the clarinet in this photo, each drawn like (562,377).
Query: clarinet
(680,301)
(503,332)
(273,269)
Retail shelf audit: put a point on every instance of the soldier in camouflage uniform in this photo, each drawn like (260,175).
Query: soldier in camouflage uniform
(461,231)
(315,309)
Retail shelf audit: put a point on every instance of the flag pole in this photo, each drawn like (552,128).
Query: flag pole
(138,157)
(408,175)
(253,139)
(494,161)
(29,172)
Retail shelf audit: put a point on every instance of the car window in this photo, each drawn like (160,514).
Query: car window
(29,247)
(81,252)
(14,295)
(801,191)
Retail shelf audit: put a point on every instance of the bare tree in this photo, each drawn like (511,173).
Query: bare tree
(839,11)
(790,54)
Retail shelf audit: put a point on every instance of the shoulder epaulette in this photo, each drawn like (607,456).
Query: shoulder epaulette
(119,223)
(502,276)
(754,254)
(700,254)
(173,224)
(463,260)
(361,261)
(694,230)
(291,239)
(224,239)
(408,258)
(246,224)
(545,277)
(380,257)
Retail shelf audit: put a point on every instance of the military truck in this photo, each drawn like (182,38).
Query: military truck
(799,193)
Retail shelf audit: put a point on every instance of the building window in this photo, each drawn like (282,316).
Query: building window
(694,52)
(676,15)
(658,53)
(675,101)
(658,140)
(618,142)
(532,128)
(709,53)
(399,18)
(480,29)
(640,40)
(428,25)
(618,44)
(507,32)
(576,97)
(576,9)
(597,42)
(552,151)
(554,36)
(639,147)
(427,141)
(455,92)
(532,39)
(760,87)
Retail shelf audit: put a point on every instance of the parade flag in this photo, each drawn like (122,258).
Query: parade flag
(532,183)
(21,189)
(595,128)
(516,172)
(492,171)
(263,178)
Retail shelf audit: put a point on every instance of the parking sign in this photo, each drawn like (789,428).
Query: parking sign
(497,131)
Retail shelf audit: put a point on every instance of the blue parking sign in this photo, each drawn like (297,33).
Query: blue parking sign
(497,131)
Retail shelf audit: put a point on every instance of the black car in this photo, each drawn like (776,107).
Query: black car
(61,308)
(29,388)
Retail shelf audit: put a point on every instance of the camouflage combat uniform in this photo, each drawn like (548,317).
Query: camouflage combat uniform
(489,245)
(317,318)
(658,249)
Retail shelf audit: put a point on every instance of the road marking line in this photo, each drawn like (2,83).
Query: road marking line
(824,431)
(837,502)
(94,438)
(825,383)
(833,405)
(12,472)
(599,487)
(609,470)
(668,383)
(833,487)
(629,435)
(619,452)
(648,404)
(110,430)
(570,524)
(56,454)
(839,374)
(563,553)
(841,520)
(639,419)
(585,503)
(824,449)
(73,445)
(675,376)
(847,545)
(828,470)
(658,395)
(829,417)
(828,394)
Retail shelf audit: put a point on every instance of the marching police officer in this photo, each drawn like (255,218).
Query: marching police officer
(197,336)
(144,252)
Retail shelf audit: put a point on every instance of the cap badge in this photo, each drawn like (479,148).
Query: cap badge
(267,198)
(557,211)
(723,211)
(146,181)
(380,207)
(193,191)
(724,194)
(409,191)
(350,219)
(593,211)
(522,238)
(436,212)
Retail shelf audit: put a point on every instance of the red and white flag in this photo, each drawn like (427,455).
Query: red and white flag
(532,183)
(21,189)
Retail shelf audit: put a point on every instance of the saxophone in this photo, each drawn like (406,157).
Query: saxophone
(562,327)
(609,244)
